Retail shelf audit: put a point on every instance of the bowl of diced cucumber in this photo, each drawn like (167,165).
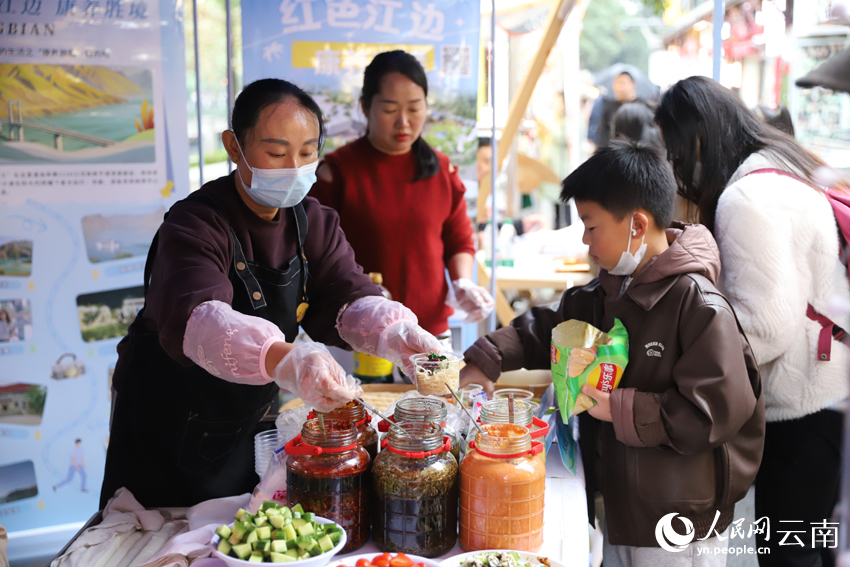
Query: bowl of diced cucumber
(278,534)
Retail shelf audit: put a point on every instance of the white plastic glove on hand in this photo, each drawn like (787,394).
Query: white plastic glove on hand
(311,372)
(228,344)
(475,300)
(386,329)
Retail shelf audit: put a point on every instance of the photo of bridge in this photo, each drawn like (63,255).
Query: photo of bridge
(76,114)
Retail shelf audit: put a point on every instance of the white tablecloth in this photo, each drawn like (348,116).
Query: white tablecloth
(565,528)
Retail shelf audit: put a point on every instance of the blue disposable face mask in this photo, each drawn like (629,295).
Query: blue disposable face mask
(279,188)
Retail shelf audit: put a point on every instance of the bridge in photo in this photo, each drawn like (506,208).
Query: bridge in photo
(17,124)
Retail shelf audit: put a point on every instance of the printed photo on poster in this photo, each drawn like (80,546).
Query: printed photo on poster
(115,237)
(15,256)
(76,114)
(17,482)
(15,320)
(22,404)
(108,314)
(68,366)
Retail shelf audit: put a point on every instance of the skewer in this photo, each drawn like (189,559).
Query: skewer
(374,410)
(510,408)
(481,431)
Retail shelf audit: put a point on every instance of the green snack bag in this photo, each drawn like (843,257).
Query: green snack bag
(582,354)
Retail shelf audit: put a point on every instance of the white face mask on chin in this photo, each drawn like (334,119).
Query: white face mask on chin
(629,262)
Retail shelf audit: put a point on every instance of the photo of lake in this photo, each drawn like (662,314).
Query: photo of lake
(76,114)
(17,481)
(15,256)
(115,237)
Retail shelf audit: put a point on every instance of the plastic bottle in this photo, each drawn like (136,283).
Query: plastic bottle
(505,243)
(371,369)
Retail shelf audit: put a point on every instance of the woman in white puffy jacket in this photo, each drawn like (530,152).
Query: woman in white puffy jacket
(754,187)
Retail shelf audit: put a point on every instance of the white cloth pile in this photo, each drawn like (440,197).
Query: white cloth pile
(130,536)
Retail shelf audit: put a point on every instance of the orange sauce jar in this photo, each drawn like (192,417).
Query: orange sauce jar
(501,491)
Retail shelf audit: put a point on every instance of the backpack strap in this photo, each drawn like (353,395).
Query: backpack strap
(829,329)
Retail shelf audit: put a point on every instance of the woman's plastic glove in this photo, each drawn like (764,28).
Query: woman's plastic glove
(386,329)
(311,372)
(475,300)
(228,344)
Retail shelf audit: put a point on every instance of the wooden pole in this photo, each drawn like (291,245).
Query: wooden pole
(518,105)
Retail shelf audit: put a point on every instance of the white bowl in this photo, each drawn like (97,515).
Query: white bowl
(318,561)
(351,561)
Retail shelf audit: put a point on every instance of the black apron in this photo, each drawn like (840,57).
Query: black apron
(179,435)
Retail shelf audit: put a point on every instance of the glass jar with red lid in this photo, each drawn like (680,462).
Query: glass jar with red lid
(522,413)
(501,491)
(415,480)
(356,412)
(424,410)
(327,473)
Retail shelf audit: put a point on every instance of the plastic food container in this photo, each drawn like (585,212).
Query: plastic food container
(415,479)
(433,375)
(501,491)
(327,473)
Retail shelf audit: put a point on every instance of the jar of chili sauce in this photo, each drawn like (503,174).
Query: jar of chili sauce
(501,491)
(327,474)
(522,413)
(356,412)
(415,479)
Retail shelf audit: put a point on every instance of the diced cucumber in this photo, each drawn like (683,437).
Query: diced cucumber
(316,551)
(255,559)
(248,517)
(233,540)
(289,531)
(223,532)
(309,516)
(279,535)
(336,537)
(224,547)
(266,505)
(264,533)
(242,551)
(276,521)
(304,556)
(285,511)
(280,558)
(239,513)
(240,528)
(261,521)
(326,544)
(298,508)
(306,543)
(252,537)
(296,515)
(272,512)
(293,552)
(262,546)
(306,529)
(279,546)
(298,522)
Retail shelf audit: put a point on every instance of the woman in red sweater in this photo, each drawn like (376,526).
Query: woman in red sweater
(400,202)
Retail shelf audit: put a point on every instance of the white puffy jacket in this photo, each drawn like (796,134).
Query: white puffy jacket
(778,245)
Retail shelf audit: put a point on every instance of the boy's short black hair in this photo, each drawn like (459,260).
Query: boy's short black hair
(624,177)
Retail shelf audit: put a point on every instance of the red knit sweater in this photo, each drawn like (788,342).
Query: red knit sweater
(405,230)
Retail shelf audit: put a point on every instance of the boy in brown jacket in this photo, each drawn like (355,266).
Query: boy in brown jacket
(683,434)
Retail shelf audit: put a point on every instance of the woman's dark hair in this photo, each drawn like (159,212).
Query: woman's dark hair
(701,121)
(779,118)
(635,121)
(264,93)
(427,163)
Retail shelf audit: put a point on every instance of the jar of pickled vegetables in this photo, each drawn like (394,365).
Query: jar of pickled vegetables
(425,410)
(415,479)
(327,474)
(501,491)
(356,412)
(499,411)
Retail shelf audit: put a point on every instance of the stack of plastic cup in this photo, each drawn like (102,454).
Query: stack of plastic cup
(265,444)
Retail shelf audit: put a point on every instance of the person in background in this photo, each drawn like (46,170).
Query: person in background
(683,433)
(78,465)
(635,121)
(234,271)
(756,189)
(400,202)
(779,118)
(625,91)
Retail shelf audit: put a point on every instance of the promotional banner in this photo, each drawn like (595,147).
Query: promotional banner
(324,45)
(92,154)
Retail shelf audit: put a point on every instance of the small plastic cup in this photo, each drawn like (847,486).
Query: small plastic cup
(265,444)
(433,375)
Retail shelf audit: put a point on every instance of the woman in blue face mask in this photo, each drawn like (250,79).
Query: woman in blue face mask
(232,273)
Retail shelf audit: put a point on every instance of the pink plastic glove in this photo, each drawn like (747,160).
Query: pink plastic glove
(475,300)
(311,372)
(228,344)
(386,329)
